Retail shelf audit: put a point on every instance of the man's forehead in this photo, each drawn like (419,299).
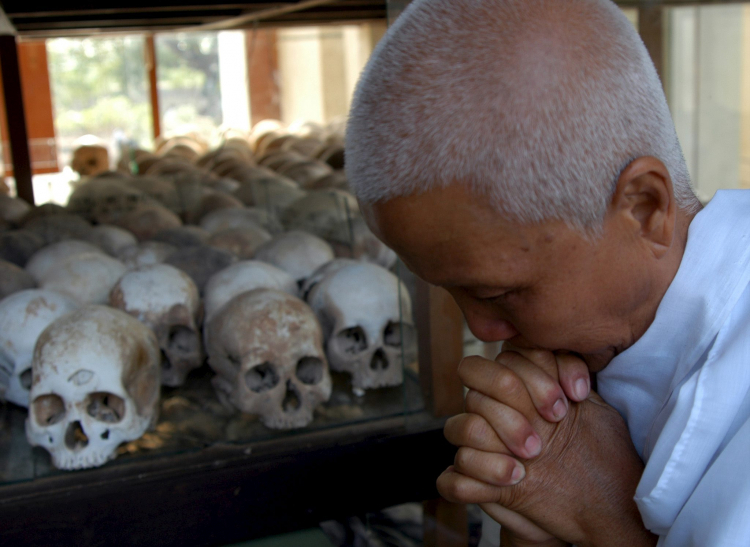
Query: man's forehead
(450,235)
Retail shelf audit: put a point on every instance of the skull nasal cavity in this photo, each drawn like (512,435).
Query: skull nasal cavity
(291,401)
(379,360)
(262,378)
(310,370)
(75,438)
(352,340)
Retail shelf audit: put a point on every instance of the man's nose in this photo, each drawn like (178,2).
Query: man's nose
(489,329)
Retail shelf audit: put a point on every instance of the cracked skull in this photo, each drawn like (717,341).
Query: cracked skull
(23,317)
(166,300)
(266,348)
(95,384)
(366,316)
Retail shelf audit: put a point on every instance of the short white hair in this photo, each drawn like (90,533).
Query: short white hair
(537,105)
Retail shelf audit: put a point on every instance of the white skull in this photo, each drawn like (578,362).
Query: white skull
(111,239)
(297,253)
(145,254)
(241,277)
(365,312)
(166,300)
(87,277)
(243,217)
(23,317)
(321,211)
(48,258)
(95,385)
(266,348)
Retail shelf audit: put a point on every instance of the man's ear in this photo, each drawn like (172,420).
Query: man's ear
(644,200)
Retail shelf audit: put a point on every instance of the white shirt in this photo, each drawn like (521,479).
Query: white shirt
(684,388)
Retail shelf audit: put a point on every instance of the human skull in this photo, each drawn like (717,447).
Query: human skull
(266,348)
(297,253)
(23,317)
(95,385)
(166,300)
(104,200)
(14,279)
(13,210)
(145,254)
(147,220)
(241,242)
(250,217)
(366,316)
(87,277)
(111,239)
(49,258)
(242,277)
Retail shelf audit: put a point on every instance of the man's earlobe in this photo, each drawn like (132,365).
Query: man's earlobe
(644,198)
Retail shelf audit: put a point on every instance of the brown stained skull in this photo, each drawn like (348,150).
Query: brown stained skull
(166,300)
(266,348)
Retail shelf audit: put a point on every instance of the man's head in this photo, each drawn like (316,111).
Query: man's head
(534,138)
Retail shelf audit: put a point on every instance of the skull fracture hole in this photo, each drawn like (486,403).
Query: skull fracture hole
(25,379)
(310,370)
(292,401)
(262,378)
(49,409)
(106,407)
(75,438)
(352,340)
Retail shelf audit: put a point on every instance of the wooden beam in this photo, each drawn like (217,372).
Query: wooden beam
(14,109)
(439,325)
(150,51)
(445,524)
(263,75)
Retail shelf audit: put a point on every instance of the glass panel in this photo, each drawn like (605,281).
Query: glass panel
(189,84)
(99,90)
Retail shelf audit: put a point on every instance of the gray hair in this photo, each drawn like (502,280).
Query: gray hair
(536,105)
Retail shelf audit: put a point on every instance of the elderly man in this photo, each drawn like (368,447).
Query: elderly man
(521,154)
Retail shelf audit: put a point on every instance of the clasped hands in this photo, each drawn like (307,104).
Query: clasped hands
(543,454)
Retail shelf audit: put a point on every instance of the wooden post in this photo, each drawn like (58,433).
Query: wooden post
(37,96)
(651,28)
(14,110)
(439,325)
(150,52)
(445,524)
(262,74)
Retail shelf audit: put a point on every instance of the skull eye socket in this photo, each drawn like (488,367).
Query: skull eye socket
(398,334)
(310,370)
(49,409)
(262,378)
(352,340)
(106,407)
(182,339)
(25,379)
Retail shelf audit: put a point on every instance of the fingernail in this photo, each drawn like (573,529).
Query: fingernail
(518,473)
(533,446)
(560,409)
(581,389)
